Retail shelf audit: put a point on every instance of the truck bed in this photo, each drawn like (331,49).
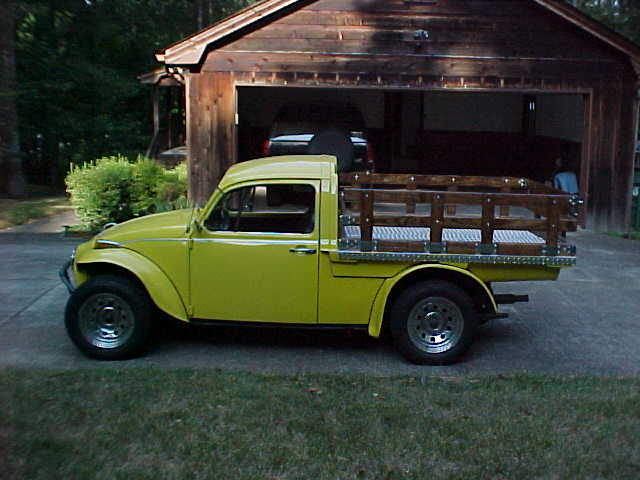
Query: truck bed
(400,217)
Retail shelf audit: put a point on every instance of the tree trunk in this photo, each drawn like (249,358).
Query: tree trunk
(11,179)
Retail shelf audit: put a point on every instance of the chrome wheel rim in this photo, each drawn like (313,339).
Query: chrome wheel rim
(435,324)
(106,320)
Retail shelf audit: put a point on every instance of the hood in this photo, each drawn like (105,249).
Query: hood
(160,225)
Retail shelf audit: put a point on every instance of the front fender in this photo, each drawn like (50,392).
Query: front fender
(158,285)
(380,302)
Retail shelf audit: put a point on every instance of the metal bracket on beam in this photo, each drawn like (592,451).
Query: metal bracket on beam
(366,246)
(567,250)
(548,251)
(487,248)
(436,247)
(348,220)
(347,244)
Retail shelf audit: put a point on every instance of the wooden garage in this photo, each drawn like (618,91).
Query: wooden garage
(487,87)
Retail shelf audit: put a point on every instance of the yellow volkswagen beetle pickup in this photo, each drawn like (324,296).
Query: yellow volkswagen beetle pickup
(288,240)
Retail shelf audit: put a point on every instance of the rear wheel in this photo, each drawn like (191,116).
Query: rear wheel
(109,318)
(433,322)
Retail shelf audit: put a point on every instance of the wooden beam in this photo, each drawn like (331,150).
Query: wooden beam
(210,131)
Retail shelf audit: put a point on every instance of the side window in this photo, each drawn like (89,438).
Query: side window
(278,208)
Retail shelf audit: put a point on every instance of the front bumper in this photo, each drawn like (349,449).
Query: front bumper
(64,275)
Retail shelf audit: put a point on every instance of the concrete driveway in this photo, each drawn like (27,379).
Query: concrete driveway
(588,322)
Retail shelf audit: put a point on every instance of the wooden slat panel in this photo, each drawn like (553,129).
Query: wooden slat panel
(402,44)
(441,7)
(388,180)
(380,34)
(416,64)
(393,246)
(460,248)
(529,201)
(483,21)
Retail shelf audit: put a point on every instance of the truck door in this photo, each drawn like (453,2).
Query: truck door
(256,257)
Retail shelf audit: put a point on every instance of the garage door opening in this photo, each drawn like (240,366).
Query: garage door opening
(519,134)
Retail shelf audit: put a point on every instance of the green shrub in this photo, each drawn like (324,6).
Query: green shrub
(22,213)
(171,189)
(114,189)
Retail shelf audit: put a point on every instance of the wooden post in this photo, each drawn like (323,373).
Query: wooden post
(504,209)
(488,214)
(553,221)
(411,202)
(437,218)
(366,220)
(585,158)
(156,110)
(210,131)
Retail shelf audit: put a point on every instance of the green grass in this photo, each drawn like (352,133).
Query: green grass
(17,212)
(200,423)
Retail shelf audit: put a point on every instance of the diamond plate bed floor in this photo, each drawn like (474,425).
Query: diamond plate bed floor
(448,235)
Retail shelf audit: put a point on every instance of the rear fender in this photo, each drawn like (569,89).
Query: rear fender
(160,288)
(385,293)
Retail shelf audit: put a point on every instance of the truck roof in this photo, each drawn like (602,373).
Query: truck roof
(319,167)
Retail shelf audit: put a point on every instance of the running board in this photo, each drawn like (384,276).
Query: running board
(297,326)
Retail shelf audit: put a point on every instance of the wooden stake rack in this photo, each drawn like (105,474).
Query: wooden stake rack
(550,214)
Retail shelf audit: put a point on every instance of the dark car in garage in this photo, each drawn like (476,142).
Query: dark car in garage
(332,128)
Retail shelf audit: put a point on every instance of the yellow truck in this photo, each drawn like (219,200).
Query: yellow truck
(289,241)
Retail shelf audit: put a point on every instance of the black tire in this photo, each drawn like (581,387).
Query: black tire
(109,318)
(433,322)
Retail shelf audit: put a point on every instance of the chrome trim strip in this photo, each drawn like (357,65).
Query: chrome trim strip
(110,243)
(155,240)
(257,241)
(454,258)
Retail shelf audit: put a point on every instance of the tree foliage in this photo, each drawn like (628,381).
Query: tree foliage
(77,65)
(621,15)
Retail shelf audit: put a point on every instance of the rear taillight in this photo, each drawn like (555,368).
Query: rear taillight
(265,148)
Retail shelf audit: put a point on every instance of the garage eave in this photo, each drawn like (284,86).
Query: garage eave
(190,51)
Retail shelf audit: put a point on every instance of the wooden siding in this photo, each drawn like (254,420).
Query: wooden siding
(210,131)
(508,38)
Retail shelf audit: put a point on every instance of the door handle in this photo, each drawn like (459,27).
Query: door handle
(305,251)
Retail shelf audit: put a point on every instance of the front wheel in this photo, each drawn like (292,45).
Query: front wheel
(433,322)
(109,318)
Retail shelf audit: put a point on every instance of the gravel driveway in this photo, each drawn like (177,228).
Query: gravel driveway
(588,322)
